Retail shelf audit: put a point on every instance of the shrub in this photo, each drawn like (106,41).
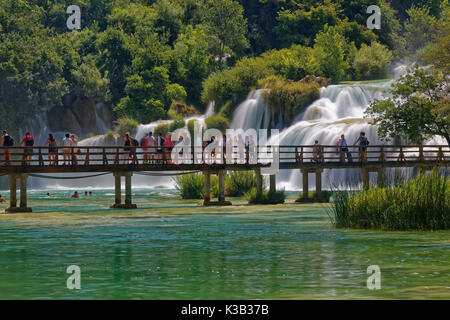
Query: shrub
(321,197)
(110,138)
(176,124)
(372,62)
(266,197)
(291,97)
(163,128)
(191,185)
(181,110)
(422,203)
(125,124)
(240,182)
(217,122)
(227,109)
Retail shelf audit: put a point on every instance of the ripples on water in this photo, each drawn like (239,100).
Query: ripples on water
(174,249)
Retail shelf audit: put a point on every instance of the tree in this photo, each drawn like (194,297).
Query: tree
(225,23)
(438,52)
(420,28)
(372,62)
(329,49)
(191,52)
(418,110)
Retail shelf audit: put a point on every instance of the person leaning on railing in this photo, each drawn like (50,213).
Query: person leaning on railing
(28,141)
(7,142)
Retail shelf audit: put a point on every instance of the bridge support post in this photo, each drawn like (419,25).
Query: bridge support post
(128,196)
(319,181)
(259,181)
(305,187)
(366,178)
(221,185)
(118,191)
(206,188)
(273,183)
(380,177)
(13,194)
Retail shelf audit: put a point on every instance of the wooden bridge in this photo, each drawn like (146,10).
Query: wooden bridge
(21,162)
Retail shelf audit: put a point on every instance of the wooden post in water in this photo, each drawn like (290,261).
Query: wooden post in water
(207,188)
(273,183)
(128,189)
(366,179)
(118,189)
(318,180)
(305,187)
(259,181)
(380,177)
(118,196)
(13,193)
(221,185)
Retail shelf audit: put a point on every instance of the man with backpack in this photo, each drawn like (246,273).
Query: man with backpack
(7,142)
(28,141)
(160,144)
(363,143)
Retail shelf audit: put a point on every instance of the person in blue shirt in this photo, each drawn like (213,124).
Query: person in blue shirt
(344,150)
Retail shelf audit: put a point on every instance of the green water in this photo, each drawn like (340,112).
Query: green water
(174,249)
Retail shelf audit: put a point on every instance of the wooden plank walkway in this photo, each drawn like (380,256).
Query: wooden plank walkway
(20,162)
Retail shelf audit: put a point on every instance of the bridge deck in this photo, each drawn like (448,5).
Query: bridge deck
(115,159)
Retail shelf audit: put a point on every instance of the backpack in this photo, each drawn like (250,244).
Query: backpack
(364,141)
(29,142)
(135,143)
(8,141)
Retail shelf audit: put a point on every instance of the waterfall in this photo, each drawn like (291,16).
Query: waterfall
(339,110)
(252,113)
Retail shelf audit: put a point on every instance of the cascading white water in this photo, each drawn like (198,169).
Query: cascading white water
(252,113)
(139,181)
(339,110)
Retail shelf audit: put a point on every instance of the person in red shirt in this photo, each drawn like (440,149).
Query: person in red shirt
(28,142)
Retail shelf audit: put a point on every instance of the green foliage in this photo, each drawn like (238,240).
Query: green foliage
(291,97)
(420,204)
(438,52)
(176,124)
(239,183)
(138,57)
(329,49)
(419,108)
(225,24)
(162,128)
(321,197)
(266,197)
(191,52)
(303,23)
(89,82)
(179,110)
(372,62)
(217,122)
(191,186)
(125,124)
(420,29)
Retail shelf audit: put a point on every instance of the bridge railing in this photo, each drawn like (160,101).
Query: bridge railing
(119,155)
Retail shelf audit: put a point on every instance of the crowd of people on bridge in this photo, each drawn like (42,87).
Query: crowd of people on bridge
(158,149)
(342,149)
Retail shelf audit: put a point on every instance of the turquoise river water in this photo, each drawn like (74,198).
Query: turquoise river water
(175,249)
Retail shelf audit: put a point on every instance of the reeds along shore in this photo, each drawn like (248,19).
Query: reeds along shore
(422,203)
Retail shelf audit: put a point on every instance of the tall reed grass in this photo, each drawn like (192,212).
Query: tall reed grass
(422,203)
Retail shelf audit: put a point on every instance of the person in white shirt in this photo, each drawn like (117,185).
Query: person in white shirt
(67,144)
